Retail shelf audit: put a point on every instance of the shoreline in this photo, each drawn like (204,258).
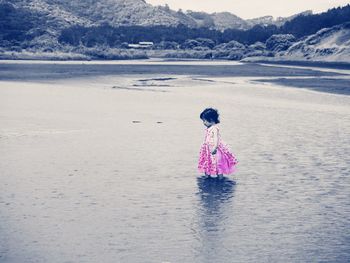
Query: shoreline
(50,70)
(299,63)
(307,76)
(325,85)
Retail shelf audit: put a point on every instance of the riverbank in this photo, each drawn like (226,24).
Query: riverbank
(221,68)
(162,55)
(301,63)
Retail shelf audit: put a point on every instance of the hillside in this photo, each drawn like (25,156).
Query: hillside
(219,21)
(132,13)
(279,21)
(113,12)
(95,26)
(328,44)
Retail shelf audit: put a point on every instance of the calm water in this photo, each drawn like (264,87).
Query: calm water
(93,186)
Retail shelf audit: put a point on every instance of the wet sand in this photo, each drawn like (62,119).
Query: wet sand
(331,85)
(101,166)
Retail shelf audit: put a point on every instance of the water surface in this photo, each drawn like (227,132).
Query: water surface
(96,169)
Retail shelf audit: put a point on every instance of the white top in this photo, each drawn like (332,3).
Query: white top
(212,137)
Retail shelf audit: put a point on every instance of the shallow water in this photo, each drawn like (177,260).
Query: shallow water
(92,173)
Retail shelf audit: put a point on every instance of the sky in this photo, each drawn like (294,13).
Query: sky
(252,8)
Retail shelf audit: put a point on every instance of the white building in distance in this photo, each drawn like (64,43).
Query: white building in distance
(141,45)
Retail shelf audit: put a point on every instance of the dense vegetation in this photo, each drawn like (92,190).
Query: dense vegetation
(23,29)
(18,25)
(115,36)
(306,25)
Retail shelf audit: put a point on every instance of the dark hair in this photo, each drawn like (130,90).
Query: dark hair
(211,115)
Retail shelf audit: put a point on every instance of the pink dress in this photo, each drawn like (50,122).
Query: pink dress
(223,162)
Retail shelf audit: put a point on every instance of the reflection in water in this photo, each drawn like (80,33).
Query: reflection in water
(214,210)
(214,191)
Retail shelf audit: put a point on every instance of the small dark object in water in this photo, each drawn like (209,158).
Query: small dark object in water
(150,85)
(136,121)
(159,122)
(157,79)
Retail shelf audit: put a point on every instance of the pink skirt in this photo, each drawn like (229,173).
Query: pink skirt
(223,162)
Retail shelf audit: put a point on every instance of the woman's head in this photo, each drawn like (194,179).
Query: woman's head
(209,116)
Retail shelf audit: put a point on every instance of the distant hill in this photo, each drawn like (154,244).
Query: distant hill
(113,12)
(132,13)
(305,25)
(279,21)
(50,25)
(219,21)
(225,20)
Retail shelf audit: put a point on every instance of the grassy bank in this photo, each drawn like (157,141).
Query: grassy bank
(79,53)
